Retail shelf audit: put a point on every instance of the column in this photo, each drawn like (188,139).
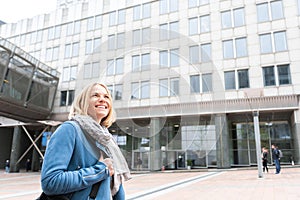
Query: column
(15,149)
(296,136)
(222,141)
(155,151)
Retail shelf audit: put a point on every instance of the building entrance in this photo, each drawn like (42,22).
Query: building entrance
(244,147)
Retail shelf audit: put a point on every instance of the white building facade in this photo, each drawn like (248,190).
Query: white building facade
(186,76)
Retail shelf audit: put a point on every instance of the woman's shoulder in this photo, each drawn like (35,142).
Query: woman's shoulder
(66,127)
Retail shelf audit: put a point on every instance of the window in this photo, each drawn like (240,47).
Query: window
(235,48)
(193,26)
(39,36)
(269,76)
(117,17)
(273,42)
(277,75)
(195,3)
(72,50)
(243,78)
(145,89)
(168,87)
(233,18)
(92,46)
(116,41)
(174,86)
(142,11)
(195,83)
(55,32)
(168,31)
(116,91)
(201,83)
(163,87)
(141,36)
(242,81)
(76,27)
(135,94)
(69,73)
(199,25)
(52,54)
(115,66)
(66,97)
(94,23)
(280,41)
(241,47)
(203,56)
(140,90)
(91,70)
(51,33)
(269,11)
(194,54)
(207,82)
(205,52)
(141,62)
(228,49)
(169,58)
(229,80)
(167,6)
(73,28)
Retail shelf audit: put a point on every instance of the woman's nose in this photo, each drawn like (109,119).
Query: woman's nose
(101,98)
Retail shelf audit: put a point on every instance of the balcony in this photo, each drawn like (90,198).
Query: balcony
(27,86)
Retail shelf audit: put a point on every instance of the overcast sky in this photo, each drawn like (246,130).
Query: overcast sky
(12,11)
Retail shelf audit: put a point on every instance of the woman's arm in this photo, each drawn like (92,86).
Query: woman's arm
(56,176)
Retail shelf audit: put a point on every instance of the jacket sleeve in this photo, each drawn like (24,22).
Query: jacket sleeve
(55,176)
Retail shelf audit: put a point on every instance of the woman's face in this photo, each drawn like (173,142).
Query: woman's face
(99,103)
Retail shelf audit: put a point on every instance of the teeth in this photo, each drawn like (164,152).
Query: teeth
(100,106)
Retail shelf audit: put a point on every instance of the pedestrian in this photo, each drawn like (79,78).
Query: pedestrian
(276,158)
(139,163)
(7,166)
(28,165)
(83,154)
(265,159)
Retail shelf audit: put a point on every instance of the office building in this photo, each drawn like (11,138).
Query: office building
(187,77)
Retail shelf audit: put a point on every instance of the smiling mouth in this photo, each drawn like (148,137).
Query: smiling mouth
(104,107)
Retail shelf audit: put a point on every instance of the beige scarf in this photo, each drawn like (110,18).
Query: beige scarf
(102,136)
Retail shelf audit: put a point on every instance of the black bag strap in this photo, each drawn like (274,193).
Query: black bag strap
(94,190)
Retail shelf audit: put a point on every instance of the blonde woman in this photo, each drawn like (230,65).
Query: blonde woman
(82,153)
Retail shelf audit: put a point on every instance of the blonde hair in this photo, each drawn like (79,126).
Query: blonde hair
(80,105)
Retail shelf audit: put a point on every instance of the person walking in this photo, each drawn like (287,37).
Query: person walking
(7,166)
(28,165)
(82,153)
(139,163)
(276,158)
(265,159)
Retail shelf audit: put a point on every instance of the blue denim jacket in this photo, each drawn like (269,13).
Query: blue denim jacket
(71,166)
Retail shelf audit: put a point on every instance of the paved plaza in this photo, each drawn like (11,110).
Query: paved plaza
(207,184)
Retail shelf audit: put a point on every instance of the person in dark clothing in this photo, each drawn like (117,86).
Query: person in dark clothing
(7,166)
(265,159)
(276,158)
(28,165)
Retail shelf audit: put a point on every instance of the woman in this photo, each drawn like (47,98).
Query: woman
(82,152)
(265,159)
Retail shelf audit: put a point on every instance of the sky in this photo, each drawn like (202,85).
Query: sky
(12,11)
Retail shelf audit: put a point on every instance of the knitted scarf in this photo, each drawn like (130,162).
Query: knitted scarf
(101,135)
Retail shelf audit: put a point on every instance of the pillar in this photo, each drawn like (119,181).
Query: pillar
(155,151)
(35,160)
(222,141)
(295,121)
(15,149)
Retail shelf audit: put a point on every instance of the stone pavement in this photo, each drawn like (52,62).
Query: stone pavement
(212,184)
